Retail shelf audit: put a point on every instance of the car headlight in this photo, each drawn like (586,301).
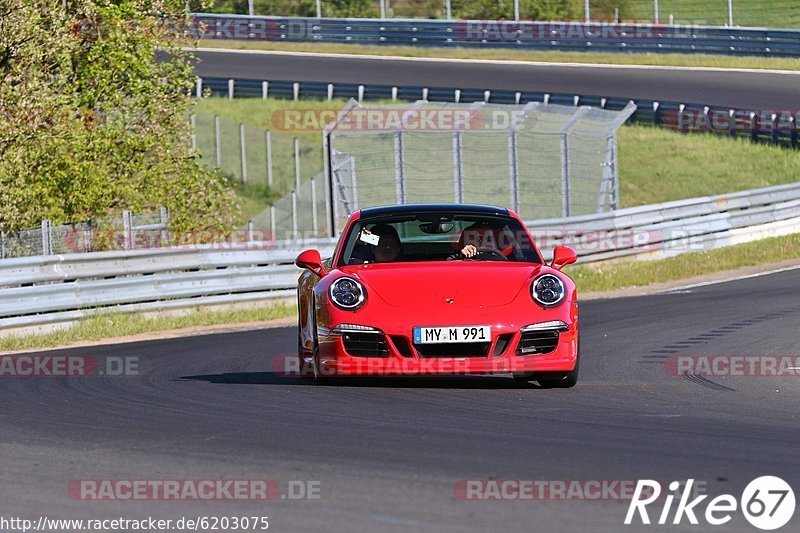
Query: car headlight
(548,290)
(347,293)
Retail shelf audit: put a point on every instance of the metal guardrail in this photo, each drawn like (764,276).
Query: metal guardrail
(48,290)
(753,124)
(564,36)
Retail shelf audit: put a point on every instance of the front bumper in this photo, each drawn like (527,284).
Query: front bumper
(407,360)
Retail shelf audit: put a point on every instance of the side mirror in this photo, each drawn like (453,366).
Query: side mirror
(311,260)
(563,256)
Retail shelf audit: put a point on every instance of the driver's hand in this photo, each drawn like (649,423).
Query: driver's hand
(469,251)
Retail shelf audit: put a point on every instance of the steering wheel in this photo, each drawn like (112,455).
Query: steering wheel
(488,255)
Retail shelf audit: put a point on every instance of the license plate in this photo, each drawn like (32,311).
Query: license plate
(452,334)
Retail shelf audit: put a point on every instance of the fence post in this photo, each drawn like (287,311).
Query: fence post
(314,221)
(399,169)
(47,237)
(296,91)
(458,170)
(199,86)
(655,11)
(2,244)
(615,175)
(513,166)
(163,216)
(230,89)
(448,10)
(264,90)
(294,214)
(296,164)
(269,158)
(586,10)
(564,175)
(243,153)
(793,131)
(250,9)
(127,229)
(353,181)
(730,13)
(319,9)
(217,141)
(329,198)
(250,231)
(516,10)
(193,125)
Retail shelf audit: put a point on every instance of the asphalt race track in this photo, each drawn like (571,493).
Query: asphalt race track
(387,453)
(748,90)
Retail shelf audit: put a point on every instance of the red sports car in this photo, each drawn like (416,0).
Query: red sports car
(438,290)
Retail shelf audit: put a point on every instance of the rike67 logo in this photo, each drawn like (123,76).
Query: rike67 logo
(767,503)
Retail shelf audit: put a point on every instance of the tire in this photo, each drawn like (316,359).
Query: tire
(305,368)
(562,380)
(319,378)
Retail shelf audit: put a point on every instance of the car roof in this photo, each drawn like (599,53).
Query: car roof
(371,212)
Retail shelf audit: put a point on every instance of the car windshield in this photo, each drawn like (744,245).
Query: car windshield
(437,237)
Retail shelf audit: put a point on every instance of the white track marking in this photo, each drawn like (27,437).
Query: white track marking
(716,282)
(497,62)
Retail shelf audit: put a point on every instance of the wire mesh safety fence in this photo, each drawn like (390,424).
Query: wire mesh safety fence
(542,160)
(126,231)
(254,155)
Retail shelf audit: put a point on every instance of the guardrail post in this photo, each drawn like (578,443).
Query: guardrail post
(656,113)
(330,92)
(565,185)
(264,90)
(127,229)
(47,237)
(296,90)
(513,166)
(360,93)
(243,152)
(399,169)
(163,216)
(230,89)
(425,94)
(394,94)
(268,136)
(217,141)
(458,169)
(774,126)
(250,231)
(272,223)
(314,221)
(199,87)
(2,244)
(793,131)
(296,164)
(753,127)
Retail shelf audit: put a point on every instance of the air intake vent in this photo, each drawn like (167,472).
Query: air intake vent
(365,344)
(537,342)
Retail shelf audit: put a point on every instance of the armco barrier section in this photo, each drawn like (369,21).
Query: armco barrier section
(527,35)
(48,290)
(754,124)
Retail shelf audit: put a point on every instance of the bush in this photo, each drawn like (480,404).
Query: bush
(91,122)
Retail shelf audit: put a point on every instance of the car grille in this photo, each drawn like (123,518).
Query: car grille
(537,342)
(456,349)
(365,344)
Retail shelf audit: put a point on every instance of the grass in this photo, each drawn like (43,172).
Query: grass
(109,325)
(677,60)
(642,273)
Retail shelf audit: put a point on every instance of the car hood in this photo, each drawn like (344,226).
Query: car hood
(467,284)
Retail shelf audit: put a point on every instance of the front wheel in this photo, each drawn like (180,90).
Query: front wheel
(554,380)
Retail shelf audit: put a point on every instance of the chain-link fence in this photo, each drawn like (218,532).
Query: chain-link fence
(254,155)
(541,160)
(126,231)
(301,214)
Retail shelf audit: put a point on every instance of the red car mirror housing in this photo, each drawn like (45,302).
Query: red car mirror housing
(311,260)
(563,256)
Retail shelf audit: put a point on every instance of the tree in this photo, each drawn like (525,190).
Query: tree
(94,119)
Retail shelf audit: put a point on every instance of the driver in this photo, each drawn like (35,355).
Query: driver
(479,238)
(388,248)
